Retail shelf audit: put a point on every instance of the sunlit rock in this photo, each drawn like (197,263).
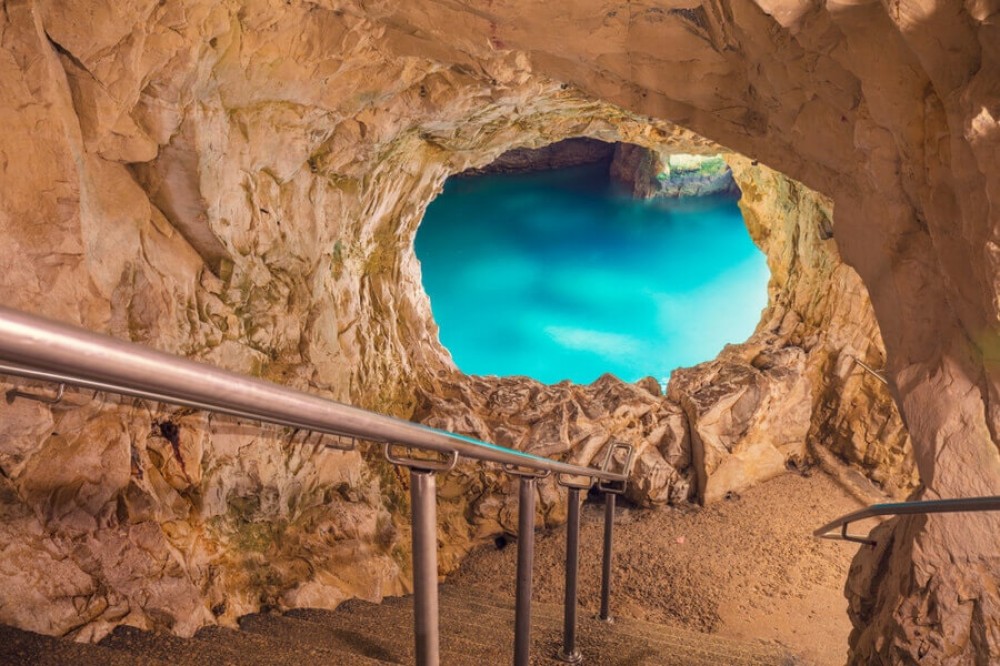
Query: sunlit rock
(648,174)
(748,417)
(320,133)
(577,423)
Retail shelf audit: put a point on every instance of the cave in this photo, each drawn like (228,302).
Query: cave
(243,185)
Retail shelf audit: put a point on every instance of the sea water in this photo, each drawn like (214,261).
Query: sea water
(555,275)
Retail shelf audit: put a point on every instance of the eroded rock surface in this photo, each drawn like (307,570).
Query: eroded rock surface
(852,413)
(749,417)
(559,155)
(181,183)
(242,185)
(574,422)
(648,174)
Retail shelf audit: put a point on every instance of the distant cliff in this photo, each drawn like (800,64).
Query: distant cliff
(649,174)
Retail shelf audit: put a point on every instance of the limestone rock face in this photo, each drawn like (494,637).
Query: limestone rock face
(853,413)
(242,184)
(575,423)
(748,417)
(635,168)
(559,155)
(648,174)
(567,420)
(183,184)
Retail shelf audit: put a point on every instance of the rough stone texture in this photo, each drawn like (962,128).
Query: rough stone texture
(648,174)
(748,416)
(577,423)
(559,155)
(242,183)
(818,304)
(176,175)
(634,168)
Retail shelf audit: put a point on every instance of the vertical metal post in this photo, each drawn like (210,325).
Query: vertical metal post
(525,560)
(609,533)
(569,653)
(425,588)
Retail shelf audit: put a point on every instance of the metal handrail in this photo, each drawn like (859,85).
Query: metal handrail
(956,505)
(41,349)
(877,374)
(38,348)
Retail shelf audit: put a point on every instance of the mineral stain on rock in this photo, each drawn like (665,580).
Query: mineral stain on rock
(171,432)
(136,461)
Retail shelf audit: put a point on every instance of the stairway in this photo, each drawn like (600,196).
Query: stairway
(476,630)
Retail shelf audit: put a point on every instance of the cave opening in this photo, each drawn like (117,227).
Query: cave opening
(584,258)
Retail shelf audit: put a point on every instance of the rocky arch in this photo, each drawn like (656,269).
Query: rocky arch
(891,110)
(316,130)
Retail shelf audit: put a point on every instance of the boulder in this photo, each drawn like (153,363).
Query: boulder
(573,423)
(747,418)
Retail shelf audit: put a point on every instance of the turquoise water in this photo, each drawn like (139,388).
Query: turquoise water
(555,276)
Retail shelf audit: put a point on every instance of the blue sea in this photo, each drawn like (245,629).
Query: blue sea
(555,275)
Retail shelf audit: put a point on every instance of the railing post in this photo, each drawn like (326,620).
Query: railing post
(525,560)
(610,490)
(423,510)
(425,589)
(569,653)
(609,533)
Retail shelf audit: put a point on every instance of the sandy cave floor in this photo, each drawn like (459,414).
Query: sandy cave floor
(746,568)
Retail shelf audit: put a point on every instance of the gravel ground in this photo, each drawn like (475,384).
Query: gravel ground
(746,567)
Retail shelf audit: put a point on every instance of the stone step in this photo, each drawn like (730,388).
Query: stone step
(19,648)
(387,629)
(489,622)
(257,649)
(663,639)
(476,628)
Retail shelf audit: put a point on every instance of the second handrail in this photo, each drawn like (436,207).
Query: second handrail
(956,505)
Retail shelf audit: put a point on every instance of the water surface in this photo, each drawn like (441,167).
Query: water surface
(556,276)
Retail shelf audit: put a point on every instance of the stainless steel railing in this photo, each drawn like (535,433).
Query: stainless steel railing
(877,374)
(42,349)
(31,346)
(958,505)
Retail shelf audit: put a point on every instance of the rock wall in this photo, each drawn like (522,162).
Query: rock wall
(242,184)
(852,412)
(558,155)
(571,422)
(648,174)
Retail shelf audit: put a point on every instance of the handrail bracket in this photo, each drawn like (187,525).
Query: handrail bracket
(421,464)
(14,394)
(612,486)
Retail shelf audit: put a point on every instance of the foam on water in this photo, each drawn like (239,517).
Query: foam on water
(555,276)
